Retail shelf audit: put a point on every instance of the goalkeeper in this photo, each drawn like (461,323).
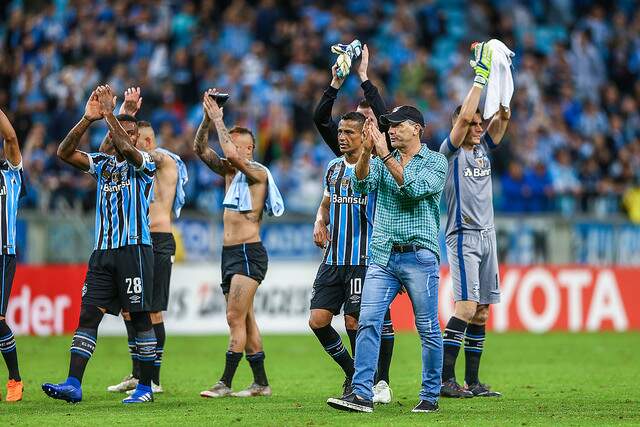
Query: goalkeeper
(470,235)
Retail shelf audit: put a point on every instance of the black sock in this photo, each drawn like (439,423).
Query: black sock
(8,349)
(257,366)
(230,367)
(452,340)
(131,338)
(351,333)
(473,345)
(160,339)
(146,349)
(386,349)
(332,343)
(82,348)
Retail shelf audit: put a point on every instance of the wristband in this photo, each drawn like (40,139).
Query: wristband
(387,157)
(479,81)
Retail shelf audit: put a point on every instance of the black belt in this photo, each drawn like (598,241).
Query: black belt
(404,248)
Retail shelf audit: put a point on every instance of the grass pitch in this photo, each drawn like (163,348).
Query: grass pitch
(554,379)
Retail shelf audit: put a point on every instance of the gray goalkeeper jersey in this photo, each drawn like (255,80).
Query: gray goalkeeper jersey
(468,190)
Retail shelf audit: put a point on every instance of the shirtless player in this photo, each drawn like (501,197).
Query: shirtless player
(167,179)
(244,258)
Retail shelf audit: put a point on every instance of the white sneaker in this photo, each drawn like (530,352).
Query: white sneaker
(156,388)
(219,389)
(382,393)
(128,383)
(253,390)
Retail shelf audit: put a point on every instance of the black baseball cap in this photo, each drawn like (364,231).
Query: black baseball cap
(402,113)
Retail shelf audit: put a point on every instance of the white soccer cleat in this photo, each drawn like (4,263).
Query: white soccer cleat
(156,388)
(382,393)
(128,383)
(219,389)
(254,390)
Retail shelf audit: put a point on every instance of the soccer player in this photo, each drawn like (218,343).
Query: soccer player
(120,273)
(372,106)
(470,234)
(340,277)
(170,176)
(11,189)
(244,259)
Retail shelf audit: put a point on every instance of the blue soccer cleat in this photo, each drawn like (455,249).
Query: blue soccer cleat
(142,394)
(65,391)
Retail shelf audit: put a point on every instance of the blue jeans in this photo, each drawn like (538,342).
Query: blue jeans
(419,273)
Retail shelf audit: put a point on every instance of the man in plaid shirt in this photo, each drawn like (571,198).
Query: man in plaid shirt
(404,250)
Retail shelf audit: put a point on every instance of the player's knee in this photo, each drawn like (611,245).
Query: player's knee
(126,316)
(350,322)
(465,311)
(235,317)
(90,316)
(319,319)
(481,315)
(156,317)
(141,321)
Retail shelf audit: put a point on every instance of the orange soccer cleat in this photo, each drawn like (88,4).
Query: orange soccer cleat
(14,391)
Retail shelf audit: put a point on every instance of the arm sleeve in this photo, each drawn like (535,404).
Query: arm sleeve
(370,182)
(148,167)
(447,148)
(429,181)
(324,123)
(372,95)
(96,160)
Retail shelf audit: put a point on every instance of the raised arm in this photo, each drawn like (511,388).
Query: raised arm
(320,231)
(68,149)
(119,137)
(322,118)
(371,93)
(11,147)
(131,105)
(251,170)
(498,124)
(206,153)
(482,67)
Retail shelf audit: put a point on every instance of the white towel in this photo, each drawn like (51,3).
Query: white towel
(238,197)
(500,86)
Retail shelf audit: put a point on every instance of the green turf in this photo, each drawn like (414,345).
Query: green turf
(585,379)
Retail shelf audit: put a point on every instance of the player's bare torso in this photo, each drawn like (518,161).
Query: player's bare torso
(244,227)
(164,192)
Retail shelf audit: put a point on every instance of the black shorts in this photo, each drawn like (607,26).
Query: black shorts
(8,271)
(247,259)
(337,286)
(120,279)
(164,251)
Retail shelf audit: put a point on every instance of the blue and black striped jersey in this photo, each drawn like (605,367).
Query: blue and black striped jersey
(11,189)
(122,200)
(350,217)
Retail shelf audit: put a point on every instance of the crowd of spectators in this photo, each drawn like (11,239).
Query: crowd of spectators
(573,144)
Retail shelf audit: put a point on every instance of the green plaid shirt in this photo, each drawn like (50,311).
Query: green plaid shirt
(407,214)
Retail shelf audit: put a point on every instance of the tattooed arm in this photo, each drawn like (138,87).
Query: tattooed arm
(253,171)
(11,146)
(206,153)
(68,148)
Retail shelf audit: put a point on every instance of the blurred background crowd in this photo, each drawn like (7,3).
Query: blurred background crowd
(573,145)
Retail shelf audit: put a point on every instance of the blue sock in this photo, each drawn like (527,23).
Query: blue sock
(143,388)
(73,381)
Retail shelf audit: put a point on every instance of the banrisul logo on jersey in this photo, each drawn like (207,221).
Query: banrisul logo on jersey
(476,172)
(115,180)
